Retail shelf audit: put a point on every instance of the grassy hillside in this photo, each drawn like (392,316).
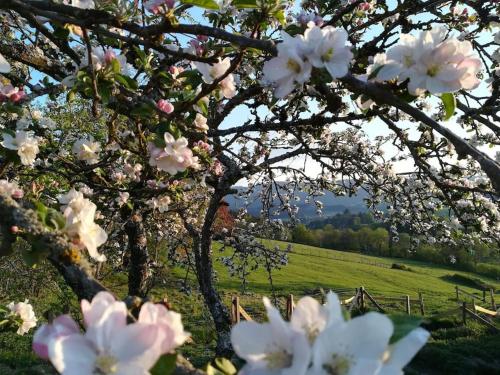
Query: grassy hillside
(309,268)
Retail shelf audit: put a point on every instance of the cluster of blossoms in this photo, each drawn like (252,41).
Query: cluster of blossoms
(319,47)
(431,63)
(20,315)
(25,143)
(175,157)
(319,341)
(79,213)
(110,345)
(32,118)
(11,189)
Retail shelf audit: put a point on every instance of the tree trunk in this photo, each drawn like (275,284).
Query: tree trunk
(138,276)
(219,312)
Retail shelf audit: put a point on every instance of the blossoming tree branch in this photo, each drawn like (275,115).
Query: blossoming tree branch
(126,123)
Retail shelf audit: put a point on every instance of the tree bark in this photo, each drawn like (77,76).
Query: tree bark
(66,260)
(138,276)
(219,312)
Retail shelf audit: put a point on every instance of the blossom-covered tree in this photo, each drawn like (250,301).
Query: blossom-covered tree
(168,105)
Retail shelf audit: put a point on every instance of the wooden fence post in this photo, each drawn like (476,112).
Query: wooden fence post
(464,313)
(235,310)
(421,299)
(289,307)
(362,298)
(493,305)
(407,304)
(456,290)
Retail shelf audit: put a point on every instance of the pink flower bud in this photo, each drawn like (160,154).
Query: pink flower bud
(14,229)
(17,96)
(17,194)
(165,106)
(109,56)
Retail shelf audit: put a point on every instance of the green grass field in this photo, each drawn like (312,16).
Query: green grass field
(308,272)
(466,350)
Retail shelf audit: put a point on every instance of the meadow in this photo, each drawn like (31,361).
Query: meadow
(453,347)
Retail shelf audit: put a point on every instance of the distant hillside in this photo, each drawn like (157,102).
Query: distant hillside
(331,204)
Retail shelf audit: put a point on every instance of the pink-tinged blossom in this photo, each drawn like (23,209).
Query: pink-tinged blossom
(9,92)
(215,71)
(289,67)
(171,332)
(432,63)
(63,325)
(174,157)
(109,345)
(165,106)
(154,6)
(25,143)
(11,189)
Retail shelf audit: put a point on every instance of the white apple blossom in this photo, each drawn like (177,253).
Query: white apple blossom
(174,157)
(200,122)
(79,213)
(271,348)
(160,203)
(354,347)
(332,344)
(310,317)
(327,47)
(400,353)
(25,143)
(289,67)
(212,72)
(4,65)
(87,150)
(83,4)
(25,312)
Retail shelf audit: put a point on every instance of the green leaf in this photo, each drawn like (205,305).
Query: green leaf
(403,324)
(165,365)
(55,219)
(126,81)
(449,103)
(225,366)
(241,4)
(207,4)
